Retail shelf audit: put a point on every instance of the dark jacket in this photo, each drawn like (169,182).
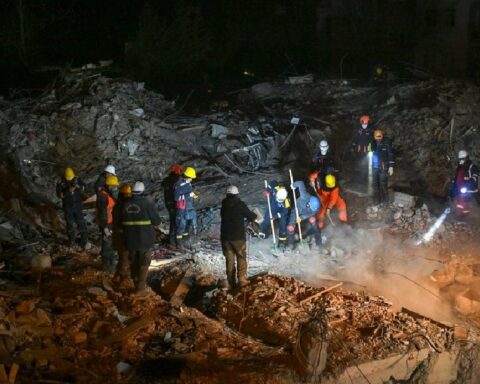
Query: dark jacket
(325,164)
(118,240)
(468,171)
(383,157)
(363,139)
(182,191)
(71,193)
(100,182)
(233,214)
(168,185)
(138,216)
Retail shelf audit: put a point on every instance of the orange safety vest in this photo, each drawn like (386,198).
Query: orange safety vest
(110,205)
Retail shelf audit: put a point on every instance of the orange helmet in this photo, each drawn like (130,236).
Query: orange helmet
(365,119)
(378,134)
(126,190)
(176,169)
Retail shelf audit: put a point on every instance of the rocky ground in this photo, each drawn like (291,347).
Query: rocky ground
(374,292)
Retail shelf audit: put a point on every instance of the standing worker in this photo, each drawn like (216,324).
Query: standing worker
(464,184)
(234,212)
(105,203)
(168,185)
(138,218)
(323,163)
(308,207)
(382,164)
(100,183)
(330,197)
(280,207)
(184,196)
(70,189)
(361,146)
(118,239)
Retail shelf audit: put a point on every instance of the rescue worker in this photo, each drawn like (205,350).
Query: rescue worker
(105,203)
(184,197)
(280,206)
(361,146)
(234,212)
(383,162)
(70,189)
(464,184)
(100,182)
(330,198)
(168,185)
(139,217)
(308,206)
(118,239)
(323,162)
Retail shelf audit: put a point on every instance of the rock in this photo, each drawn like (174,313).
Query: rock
(467,302)
(41,262)
(404,200)
(218,131)
(25,307)
(262,90)
(296,80)
(79,337)
(464,274)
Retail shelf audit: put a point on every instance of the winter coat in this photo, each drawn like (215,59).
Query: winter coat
(71,193)
(118,240)
(168,185)
(468,171)
(233,213)
(138,217)
(324,164)
(181,193)
(303,203)
(383,157)
(363,139)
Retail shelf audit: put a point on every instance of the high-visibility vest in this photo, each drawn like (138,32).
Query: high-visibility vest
(110,205)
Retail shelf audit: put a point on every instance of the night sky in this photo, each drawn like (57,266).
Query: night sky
(182,44)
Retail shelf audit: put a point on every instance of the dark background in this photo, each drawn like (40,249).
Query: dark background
(179,45)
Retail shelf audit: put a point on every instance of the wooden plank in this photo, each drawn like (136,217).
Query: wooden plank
(182,289)
(320,293)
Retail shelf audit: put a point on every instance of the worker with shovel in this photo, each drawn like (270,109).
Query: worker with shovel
(307,208)
(330,198)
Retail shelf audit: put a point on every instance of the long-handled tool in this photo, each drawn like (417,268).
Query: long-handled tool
(271,218)
(297,216)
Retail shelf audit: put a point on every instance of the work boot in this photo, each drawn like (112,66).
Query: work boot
(141,282)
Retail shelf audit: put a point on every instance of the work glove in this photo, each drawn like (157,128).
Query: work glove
(292,187)
(261,235)
(390,171)
(328,211)
(266,194)
(107,232)
(298,220)
(194,195)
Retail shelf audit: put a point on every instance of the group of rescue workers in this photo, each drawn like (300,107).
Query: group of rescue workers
(127,218)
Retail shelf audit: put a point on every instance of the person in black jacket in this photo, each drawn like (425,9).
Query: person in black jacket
(70,189)
(361,146)
(382,166)
(138,217)
(233,214)
(168,185)
(122,271)
(100,182)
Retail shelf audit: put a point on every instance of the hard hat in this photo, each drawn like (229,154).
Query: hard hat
(323,147)
(176,169)
(462,154)
(330,181)
(138,187)
(190,173)
(232,189)
(69,174)
(110,169)
(365,119)
(314,204)
(126,189)
(112,181)
(378,134)
(281,195)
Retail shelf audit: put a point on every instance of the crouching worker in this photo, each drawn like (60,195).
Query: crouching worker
(139,216)
(279,205)
(308,206)
(234,212)
(330,198)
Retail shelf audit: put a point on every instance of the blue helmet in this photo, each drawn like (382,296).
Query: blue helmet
(314,204)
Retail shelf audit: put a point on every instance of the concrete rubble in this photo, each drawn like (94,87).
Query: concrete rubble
(63,321)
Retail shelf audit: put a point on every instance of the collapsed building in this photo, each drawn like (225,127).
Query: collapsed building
(375,304)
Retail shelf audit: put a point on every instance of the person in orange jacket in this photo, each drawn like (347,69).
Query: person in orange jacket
(329,195)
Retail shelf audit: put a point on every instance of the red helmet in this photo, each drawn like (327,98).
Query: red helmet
(176,169)
(365,119)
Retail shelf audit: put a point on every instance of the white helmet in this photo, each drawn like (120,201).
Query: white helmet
(323,147)
(139,187)
(462,154)
(110,169)
(232,189)
(281,195)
